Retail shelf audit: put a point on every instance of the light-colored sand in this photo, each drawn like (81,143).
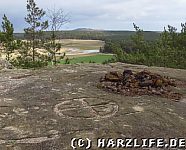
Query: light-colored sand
(72,47)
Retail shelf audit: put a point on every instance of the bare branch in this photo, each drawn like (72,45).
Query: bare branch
(57,18)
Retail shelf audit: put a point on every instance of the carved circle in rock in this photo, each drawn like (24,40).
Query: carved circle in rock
(80,109)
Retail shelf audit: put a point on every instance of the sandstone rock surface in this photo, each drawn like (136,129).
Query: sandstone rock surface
(4,64)
(44,109)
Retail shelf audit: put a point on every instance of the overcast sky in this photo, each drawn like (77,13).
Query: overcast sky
(105,14)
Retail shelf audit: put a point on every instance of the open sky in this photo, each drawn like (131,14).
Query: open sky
(104,14)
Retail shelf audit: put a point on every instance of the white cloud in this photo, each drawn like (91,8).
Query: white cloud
(106,14)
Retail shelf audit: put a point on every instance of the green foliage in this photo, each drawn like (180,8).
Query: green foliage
(138,38)
(34,19)
(8,29)
(111,60)
(91,62)
(99,58)
(110,47)
(67,61)
(23,49)
(26,63)
(173,47)
(27,60)
(119,54)
(53,48)
(1,37)
(7,38)
(97,35)
(168,51)
(24,59)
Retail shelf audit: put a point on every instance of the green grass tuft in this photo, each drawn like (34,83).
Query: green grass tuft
(99,59)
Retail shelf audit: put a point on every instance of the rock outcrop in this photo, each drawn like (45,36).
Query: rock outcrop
(45,109)
(4,64)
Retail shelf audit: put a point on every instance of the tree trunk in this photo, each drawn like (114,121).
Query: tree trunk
(33,51)
(55,60)
(8,56)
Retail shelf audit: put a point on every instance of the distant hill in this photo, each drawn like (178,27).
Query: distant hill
(87,29)
(93,34)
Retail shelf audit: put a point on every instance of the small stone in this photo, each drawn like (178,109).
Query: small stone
(158,83)
(53,132)
(20,111)
(138,108)
(113,76)
(36,108)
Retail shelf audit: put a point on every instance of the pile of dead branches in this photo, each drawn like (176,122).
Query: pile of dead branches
(140,83)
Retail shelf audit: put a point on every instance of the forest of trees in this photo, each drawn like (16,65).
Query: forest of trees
(167,49)
(103,35)
(34,37)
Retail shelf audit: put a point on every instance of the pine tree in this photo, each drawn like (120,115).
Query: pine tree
(138,38)
(1,37)
(34,19)
(7,37)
